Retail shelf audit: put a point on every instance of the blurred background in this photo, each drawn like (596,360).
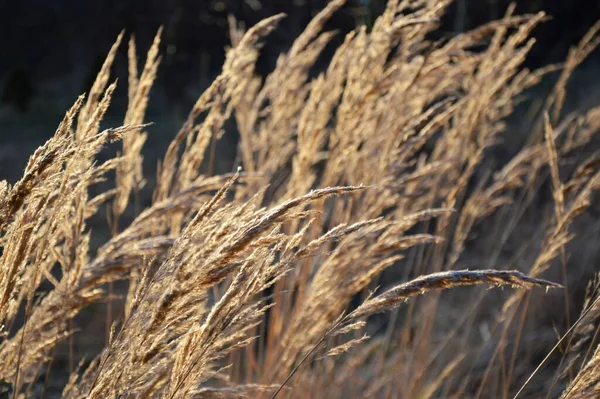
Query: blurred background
(50,52)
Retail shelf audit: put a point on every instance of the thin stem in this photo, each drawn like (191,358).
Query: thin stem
(556,346)
(310,352)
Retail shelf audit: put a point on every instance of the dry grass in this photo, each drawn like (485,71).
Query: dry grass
(262,283)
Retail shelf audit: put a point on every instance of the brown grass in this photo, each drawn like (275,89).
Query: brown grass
(262,282)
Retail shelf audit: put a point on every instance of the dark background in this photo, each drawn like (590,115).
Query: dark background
(50,51)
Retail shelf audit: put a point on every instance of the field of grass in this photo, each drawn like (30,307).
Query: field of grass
(329,262)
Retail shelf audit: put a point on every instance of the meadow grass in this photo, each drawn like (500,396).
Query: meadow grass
(267,282)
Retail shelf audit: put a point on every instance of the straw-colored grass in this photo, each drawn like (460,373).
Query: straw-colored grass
(264,282)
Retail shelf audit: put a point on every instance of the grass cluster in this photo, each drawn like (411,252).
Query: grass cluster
(266,282)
